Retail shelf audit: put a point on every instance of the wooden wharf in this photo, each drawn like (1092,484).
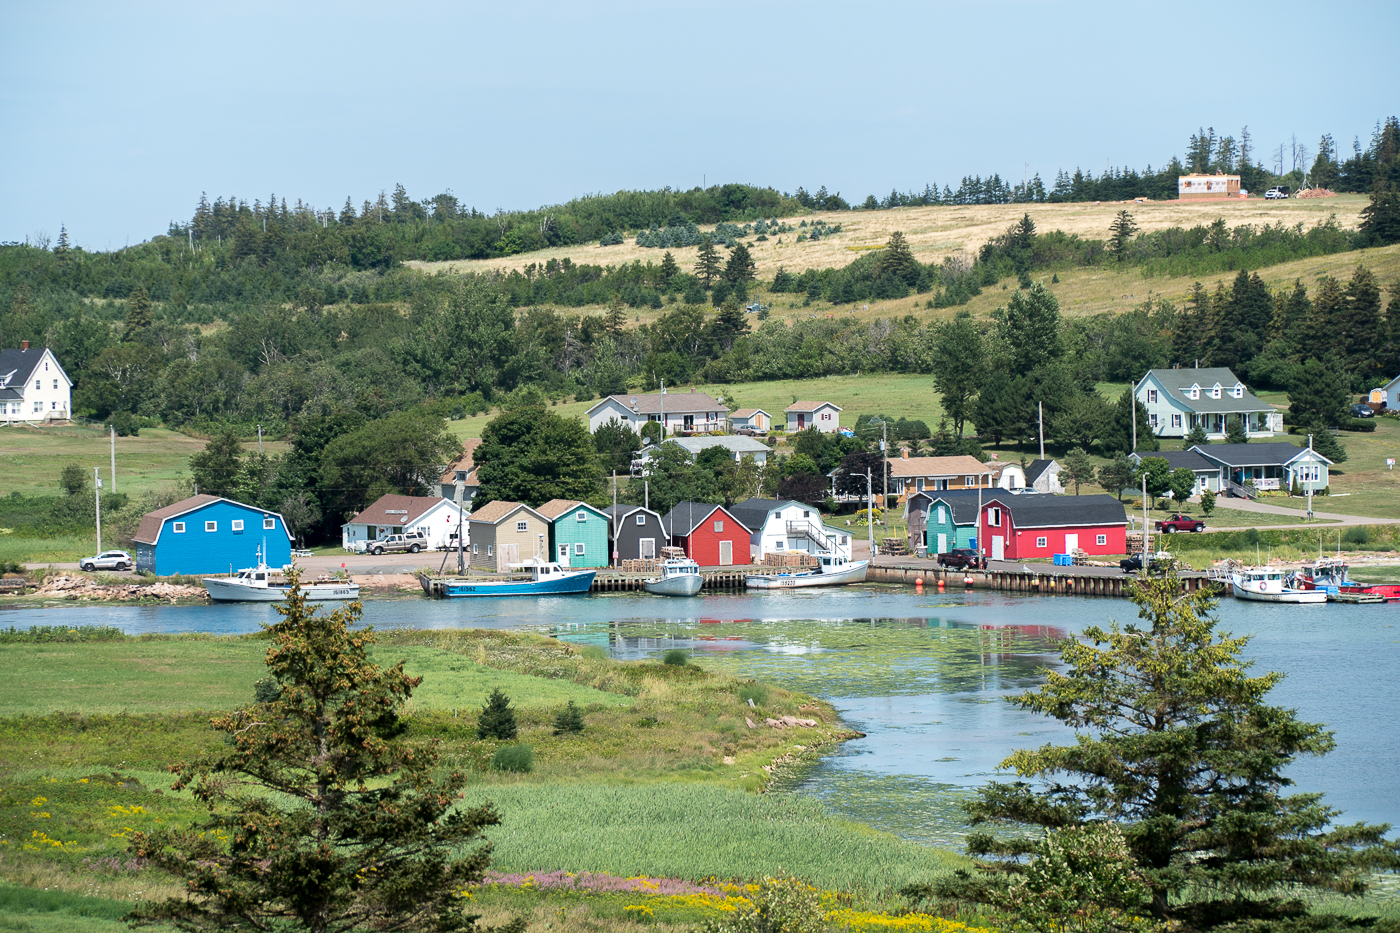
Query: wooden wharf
(1042,579)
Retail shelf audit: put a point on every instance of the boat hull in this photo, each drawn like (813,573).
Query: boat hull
(850,573)
(229,591)
(1287,596)
(560,585)
(686,584)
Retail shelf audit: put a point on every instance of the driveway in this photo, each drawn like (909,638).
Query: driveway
(1248,505)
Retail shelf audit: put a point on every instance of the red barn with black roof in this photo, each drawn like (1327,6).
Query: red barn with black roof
(710,535)
(1020,527)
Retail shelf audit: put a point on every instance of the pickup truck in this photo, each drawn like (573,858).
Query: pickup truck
(961,558)
(397,544)
(1180,523)
(1134,563)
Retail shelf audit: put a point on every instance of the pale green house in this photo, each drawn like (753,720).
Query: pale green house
(578,533)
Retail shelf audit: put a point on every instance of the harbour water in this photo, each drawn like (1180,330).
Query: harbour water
(924,675)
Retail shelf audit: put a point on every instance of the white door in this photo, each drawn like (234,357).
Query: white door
(563,555)
(726,553)
(1071,542)
(646,548)
(942,543)
(998,547)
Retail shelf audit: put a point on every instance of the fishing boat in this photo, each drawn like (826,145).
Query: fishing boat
(830,571)
(1329,574)
(1266,585)
(262,584)
(533,577)
(679,577)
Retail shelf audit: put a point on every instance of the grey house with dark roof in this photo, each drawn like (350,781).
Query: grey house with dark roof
(1207,471)
(637,533)
(1246,469)
(1178,400)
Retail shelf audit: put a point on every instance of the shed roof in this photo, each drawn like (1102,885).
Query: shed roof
(961,465)
(963,502)
(500,509)
(394,509)
(1041,511)
(464,462)
(1035,468)
(687,516)
(1181,459)
(747,412)
(148,532)
(622,510)
(556,508)
(805,405)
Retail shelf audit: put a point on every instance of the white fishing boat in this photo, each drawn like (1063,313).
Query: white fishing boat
(1267,585)
(830,571)
(262,584)
(679,577)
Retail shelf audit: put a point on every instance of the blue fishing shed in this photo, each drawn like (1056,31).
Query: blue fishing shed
(210,534)
(944,519)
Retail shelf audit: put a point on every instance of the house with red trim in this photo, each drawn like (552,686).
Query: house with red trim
(1020,527)
(710,535)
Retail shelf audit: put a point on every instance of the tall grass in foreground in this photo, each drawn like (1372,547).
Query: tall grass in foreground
(53,550)
(693,832)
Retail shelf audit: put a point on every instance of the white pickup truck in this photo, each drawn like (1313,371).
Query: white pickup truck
(394,544)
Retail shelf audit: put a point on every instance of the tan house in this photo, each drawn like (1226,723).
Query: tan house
(802,415)
(503,534)
(752,419)
(918,474)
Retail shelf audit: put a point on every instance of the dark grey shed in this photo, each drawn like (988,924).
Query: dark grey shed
(637,533)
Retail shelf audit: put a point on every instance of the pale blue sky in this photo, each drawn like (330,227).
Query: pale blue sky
(115,116)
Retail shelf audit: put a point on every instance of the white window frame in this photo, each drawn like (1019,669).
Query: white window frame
(236,524)
(1310,473)
(1238,391)
(475,549)
(719,525)
(968,481)
(1042,542)
(1176,420)
(269,523)
(177,527)
(1152,396)
(490,550)
(994,517)
(578,549)
(1152,419)
(1215,392)
(522,526)
(55,383)
(580,516)
(1101,540)
(211,526)
(641,519)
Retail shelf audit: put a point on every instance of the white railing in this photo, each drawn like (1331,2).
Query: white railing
(1265,483)
(807,530)
(1242,491)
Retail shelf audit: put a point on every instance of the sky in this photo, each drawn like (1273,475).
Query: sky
(115,117)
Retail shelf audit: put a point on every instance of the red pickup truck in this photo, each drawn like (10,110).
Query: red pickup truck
(1180,523)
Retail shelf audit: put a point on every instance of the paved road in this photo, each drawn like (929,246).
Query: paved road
(1245,505)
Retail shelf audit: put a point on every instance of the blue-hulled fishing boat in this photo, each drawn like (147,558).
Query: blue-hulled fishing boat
(546,578)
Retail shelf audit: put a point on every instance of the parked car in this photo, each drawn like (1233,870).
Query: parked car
(1133,563)
(108,560)
(1180,523)
(1362,411)
(961,558)
(398,544)
(1277,193)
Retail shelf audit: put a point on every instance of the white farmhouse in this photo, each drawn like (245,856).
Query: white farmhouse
(33,386)
(1178,400)
(678,412)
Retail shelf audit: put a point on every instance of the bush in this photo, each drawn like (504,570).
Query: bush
(517,758)
(780,905)
(676,657)
(1357,535)
(125,423)
(569,720)
(1360,425)
(756,692)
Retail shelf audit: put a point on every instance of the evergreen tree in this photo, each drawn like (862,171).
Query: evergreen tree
(959,367)
(138,313)
(1326,443)
(497,719)
(1177,747)
(216,468)
(1318,393)
(569,720)
(1196,436)
(73,479)
(897,260)
(1241,333)
(707,262)
(1118,474)
(740,269)
(64,250)
(1118,434)
(1234,430)
(1078,468)
(1380,219)
(615,319)
(729,325)
(322,816)
(1120,234)
(1361,338)
(1029,326)
(347,213)
(669,269)
(531,454)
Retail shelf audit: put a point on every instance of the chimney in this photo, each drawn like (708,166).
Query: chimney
(24,345)
(904,453)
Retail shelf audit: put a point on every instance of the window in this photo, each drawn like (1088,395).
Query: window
(236,524)
(1151,396)
(178,528)
(994,517)
(1152,419)
(1101,540)
(1237,393)
(38,406)
(719,526)
(641,519)
(490,550)
(269,523)
(211,526)
(1041,542)
(53,405)
(522,526)
(1195,392)
(578,549)
(942,515)
(38,383)
(55,383)
(474,549)
(1176,421)
(1310,473)
(968,480)
(1215,392)
(580,516)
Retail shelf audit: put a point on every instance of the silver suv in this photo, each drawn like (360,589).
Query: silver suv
(108,560)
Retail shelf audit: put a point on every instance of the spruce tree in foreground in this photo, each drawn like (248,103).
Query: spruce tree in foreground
(497,718)
(569,720)
(322,817)
(1178,748)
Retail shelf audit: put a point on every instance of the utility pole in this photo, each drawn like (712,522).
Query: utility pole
(97,494)
(1134,404)
(260,441)
(885,457)
(614,518)
(1040,414)
(1310,489)
(663,413)
(1144,523)
(114,459)
(869,512)
(461,526)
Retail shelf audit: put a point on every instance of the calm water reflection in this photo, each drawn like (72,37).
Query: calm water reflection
(922,675)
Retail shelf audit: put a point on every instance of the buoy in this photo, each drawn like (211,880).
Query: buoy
(967,581)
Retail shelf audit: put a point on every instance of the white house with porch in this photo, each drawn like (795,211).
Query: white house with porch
(33,386)
(1178,400)
(787,527)
(1249,469)
(677,412)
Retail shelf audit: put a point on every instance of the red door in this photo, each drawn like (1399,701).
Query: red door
(801,422)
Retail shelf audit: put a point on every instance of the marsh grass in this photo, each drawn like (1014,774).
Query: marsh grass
(42,905)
